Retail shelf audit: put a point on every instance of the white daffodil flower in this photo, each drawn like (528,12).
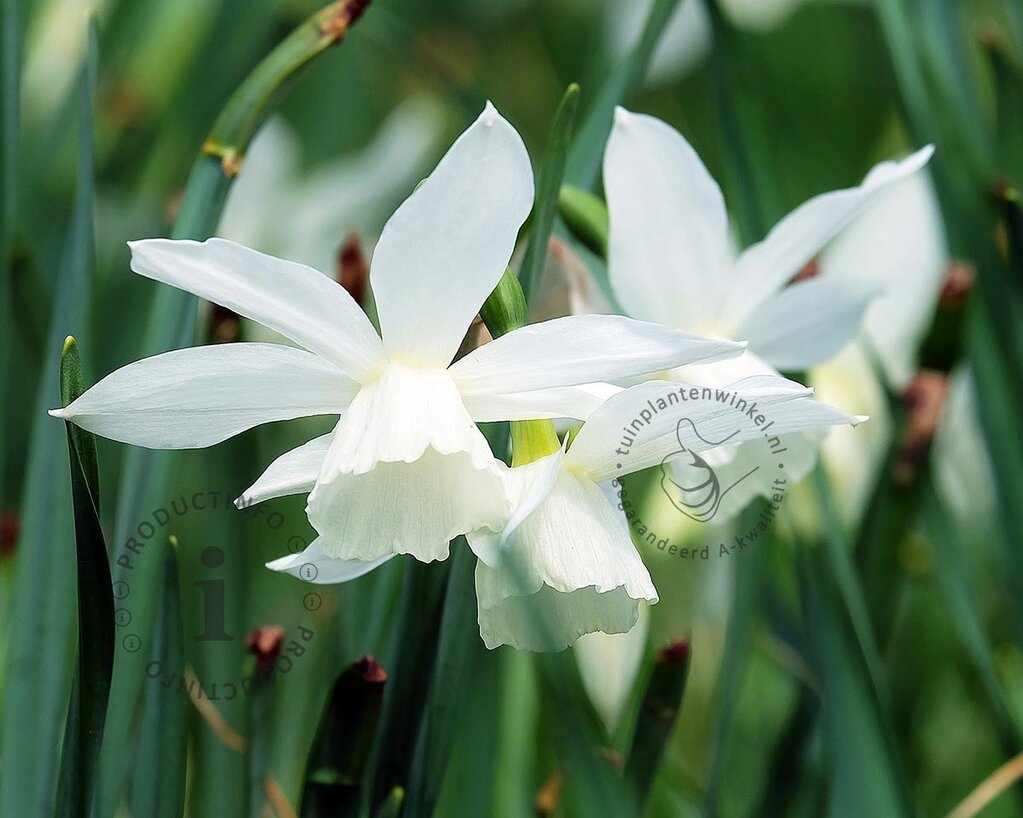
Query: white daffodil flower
(671,260)
(565,565)
(406,469)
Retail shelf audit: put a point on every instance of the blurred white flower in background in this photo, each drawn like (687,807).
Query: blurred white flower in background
(276,207)
(608,665)
(685,41)
(899,243)
(54,50)
(671,260)
(684,44)
(961,462)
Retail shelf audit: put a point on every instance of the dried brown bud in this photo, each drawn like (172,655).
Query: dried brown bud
(477,336)
(340,16)
(925,399)
(811,269)
(959,280)
(352,269)
(371,670)
(10,525)
(550,793)
(224,325)
(675,653)
(265,644)
(567,286)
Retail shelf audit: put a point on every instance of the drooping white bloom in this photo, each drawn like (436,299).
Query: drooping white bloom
(900,242)
(671,260)
(406,469)
(565,565)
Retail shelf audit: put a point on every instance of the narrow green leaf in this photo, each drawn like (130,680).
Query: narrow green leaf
(517,737)
(991,335)
(10,98)
(586,217)
(965,610)
(458,655)
(658,711)
(91,688)
(748,575)
(41,649)
(545,206)
(505,308)
(72,384)
(738,143)
(1009,101)
(864,776)
(847,581)
(414,654)
(593,784)
(158,787)
(146,475)
(584,159)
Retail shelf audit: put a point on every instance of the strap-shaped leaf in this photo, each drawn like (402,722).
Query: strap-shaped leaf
(41,645)
(584,159)
(548,185)
(90,694)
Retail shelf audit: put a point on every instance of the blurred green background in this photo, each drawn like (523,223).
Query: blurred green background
(866,662)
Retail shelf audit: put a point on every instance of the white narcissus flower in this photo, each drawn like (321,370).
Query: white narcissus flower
(565,565)
(671,261)
(406,469)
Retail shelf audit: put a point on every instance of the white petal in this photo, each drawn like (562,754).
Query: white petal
(899,242)
(407,471)
(297,301)
(765,267)
(526,487)
(669,241)
(543,404)
(358,190)
(569,569)
(313,565)
(745,472)
(581,349)
(190,398)
(640,427)
(293,472)
(809,322)
(444,250)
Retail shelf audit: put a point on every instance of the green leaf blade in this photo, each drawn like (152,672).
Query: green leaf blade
(583,162)
(545,207)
